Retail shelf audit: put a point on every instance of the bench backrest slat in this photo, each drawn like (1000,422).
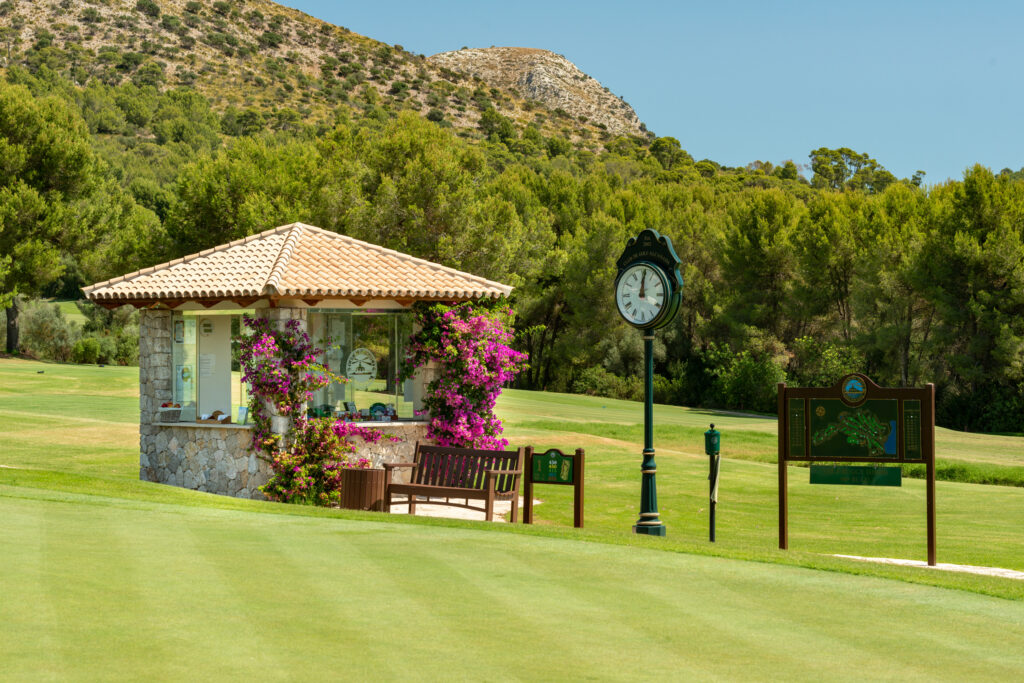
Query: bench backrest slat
(470,479)
(424,463)
(452,471)
(503,462)
(462,467)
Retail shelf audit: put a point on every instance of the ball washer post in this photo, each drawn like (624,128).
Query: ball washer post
(712,446)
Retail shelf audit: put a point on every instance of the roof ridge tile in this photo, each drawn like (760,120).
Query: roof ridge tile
(283,258)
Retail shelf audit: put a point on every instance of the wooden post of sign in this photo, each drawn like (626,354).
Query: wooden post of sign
(928,437)
(577,484)
(528,489)
(783,492)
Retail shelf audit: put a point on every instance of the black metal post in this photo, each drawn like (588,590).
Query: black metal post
(649,523)
(712,446)
(714,483)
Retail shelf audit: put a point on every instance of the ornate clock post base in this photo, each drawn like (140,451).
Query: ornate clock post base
(649,523)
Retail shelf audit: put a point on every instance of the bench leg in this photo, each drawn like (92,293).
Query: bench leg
(515,509)
(412,504)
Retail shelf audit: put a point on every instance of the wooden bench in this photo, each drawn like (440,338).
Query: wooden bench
(449,476)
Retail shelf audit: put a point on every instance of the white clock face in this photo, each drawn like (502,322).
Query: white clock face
(641,294)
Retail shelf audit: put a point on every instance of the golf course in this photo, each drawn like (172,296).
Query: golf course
(103,576)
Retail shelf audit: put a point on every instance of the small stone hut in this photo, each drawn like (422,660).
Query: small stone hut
(351,297)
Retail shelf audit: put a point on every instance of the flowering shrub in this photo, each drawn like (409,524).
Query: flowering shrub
(470,346)
(281,370)
(309,471)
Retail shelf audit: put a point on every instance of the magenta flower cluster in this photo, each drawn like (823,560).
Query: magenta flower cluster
(281,369)
(470,346)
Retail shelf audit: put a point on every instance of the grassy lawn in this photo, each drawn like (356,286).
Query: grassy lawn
(749,436)
(69,309)
(113,588)
(70,418)
(982,525)
(105,576)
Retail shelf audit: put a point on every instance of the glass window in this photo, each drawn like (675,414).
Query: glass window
(239,389)
(206,374)
(368,349)
(183,353)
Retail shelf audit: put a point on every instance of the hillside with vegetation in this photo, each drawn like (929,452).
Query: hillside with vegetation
(261,63)
(116,158)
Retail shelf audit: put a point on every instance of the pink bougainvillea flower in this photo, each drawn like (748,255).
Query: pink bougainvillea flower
(470,350)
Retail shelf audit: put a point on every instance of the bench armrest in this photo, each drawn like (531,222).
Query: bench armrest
(393,465)
(501,472)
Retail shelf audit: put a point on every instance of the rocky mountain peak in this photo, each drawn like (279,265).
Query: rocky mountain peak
(548,78)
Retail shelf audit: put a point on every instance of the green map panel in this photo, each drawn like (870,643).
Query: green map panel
(867,431)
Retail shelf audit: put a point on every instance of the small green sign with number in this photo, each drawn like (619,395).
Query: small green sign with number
(553,467)
(863,475)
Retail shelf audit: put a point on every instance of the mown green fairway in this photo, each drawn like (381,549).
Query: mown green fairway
(102,588)
(70,311)
(105,576)
(70,418)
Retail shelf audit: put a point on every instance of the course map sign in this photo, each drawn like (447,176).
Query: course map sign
(857,421)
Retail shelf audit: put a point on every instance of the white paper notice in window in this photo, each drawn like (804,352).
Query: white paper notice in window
(207,364)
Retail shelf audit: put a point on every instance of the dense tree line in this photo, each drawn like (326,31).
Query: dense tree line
(785,278)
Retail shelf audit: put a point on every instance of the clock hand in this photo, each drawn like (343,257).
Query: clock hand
(643,282)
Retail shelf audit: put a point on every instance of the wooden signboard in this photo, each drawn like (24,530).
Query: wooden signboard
(554,467)
(857,421)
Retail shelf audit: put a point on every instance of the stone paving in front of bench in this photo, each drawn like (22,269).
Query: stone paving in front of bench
(502,508)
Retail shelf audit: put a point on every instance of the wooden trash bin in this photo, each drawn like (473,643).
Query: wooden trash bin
(362,489)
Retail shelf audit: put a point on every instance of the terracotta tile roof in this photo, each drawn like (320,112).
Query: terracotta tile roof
(298,261)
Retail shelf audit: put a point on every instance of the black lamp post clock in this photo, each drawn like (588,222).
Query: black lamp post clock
(647,293)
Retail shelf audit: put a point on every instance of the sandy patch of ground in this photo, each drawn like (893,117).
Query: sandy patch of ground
(967,568)
(502,508)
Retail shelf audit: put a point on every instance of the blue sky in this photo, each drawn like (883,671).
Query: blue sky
(917,85)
